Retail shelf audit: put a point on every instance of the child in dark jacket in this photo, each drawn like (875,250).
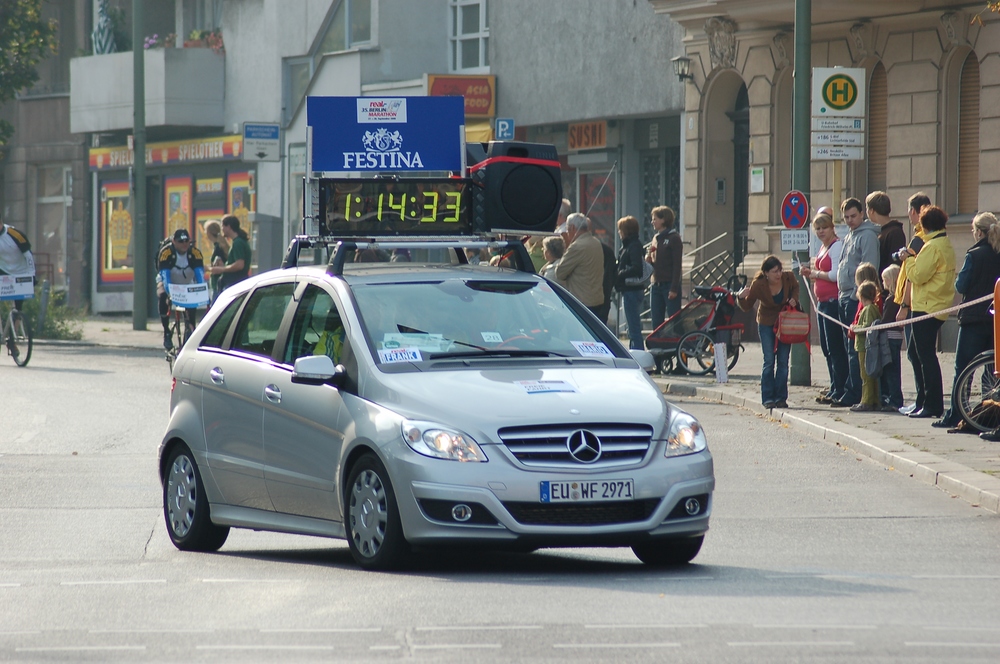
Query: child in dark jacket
(891,381)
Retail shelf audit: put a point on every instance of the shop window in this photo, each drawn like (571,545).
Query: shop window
(968,137)
(878,129)
(469,30)
(52,200)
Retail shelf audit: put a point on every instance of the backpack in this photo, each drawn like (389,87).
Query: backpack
(166,242)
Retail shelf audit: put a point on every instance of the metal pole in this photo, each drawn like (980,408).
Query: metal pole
(140,236)
(800,372)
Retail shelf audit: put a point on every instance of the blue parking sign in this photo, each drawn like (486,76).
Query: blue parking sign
(505,129)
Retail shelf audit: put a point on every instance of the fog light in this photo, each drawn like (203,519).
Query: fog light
(692,506)
(462,512)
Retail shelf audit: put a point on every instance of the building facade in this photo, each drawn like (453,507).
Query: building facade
(593,78)
(932,72)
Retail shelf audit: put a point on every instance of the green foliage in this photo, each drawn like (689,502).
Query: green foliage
(121,28)
(25,39)
(61,321)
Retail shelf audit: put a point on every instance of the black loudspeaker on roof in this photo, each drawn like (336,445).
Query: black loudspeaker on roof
(518,186)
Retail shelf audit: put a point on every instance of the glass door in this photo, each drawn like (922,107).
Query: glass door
(53,199)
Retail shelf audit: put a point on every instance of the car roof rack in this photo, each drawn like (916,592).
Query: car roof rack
(513,250)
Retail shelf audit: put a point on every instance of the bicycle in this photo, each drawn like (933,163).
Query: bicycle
(180,330)
(15,334)
(977,393)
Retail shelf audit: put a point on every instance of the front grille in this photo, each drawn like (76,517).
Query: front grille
(590,514)
(545,446)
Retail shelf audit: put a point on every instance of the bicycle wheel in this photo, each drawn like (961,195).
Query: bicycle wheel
(20,343)
(734,356)
(696,353)
(977,393)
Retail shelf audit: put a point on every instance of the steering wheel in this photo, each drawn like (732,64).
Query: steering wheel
(510,343)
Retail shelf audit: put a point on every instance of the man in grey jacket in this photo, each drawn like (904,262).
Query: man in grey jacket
(860,246)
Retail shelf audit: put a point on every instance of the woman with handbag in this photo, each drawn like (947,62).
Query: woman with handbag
(632,278)
(775,289)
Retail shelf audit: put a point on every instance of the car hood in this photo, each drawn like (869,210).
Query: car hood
(490,399)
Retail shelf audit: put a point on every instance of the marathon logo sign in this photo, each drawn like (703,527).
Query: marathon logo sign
(381,110)
(16,287)
(385,134)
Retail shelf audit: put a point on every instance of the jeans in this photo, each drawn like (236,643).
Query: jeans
(852,387)
(661,306)
(833,342)
(926,369)
(891,380)
(632,303)
(973,339)
(774,374)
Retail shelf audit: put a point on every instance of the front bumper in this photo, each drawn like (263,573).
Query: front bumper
(506,510)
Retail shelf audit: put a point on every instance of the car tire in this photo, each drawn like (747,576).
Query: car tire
(669,552)
(374,531)
(185,506)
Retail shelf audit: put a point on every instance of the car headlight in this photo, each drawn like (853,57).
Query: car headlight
(685,436)
(436,441)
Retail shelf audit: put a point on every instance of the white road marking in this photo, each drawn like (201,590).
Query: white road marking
(331,630)
(10,585)
(15,632)
(616,646)
(77,648)
(191,630)
(251,580)
(947,628)
(457,646)
(816,626)
(249,646)
(792,644)
(949,644)
(644,626)
(384,647)
(447,628)
(112,582)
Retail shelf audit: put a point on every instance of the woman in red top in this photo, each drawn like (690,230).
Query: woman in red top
(822,271)
(773,287)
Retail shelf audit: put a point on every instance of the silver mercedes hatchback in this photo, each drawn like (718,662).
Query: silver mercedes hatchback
(404,405)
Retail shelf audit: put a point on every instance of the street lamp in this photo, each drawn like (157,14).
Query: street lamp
(682,68)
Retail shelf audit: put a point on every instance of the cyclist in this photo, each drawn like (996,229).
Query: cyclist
(178,263)
(15,256)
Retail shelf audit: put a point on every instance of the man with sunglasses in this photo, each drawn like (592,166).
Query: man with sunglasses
(178,263)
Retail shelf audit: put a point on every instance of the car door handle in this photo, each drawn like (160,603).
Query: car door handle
(272,393)
(217,376)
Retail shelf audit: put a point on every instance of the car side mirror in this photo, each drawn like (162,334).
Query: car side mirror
(645,360)
(318,370)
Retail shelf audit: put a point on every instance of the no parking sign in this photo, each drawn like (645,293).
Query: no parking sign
(795,210)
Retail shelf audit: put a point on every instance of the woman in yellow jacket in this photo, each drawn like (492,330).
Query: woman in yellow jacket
(932,274)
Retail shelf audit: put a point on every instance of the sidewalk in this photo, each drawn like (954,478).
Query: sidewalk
(962,464)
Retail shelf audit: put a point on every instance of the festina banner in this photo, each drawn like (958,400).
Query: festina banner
(373,134)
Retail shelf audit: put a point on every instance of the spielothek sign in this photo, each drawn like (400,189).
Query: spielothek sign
(373,134)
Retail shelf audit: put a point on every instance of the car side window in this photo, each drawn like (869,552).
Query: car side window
(317,328)
(217,334)
(258,327)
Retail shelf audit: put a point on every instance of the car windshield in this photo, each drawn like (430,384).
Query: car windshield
(414,322)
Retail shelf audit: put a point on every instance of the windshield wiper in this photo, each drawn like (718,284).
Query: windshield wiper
(496,352)
(405,329)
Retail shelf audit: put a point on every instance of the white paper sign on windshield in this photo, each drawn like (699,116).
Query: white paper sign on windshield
(592,349)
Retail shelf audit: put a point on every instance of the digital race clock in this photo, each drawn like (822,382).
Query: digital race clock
(395,207)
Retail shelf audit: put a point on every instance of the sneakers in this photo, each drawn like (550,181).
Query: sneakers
(168,343)
(862,408)
(991,436)
(906,410)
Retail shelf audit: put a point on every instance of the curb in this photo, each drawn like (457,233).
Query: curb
(979,489)
(80,343)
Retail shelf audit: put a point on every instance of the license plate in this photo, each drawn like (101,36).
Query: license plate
(585,491)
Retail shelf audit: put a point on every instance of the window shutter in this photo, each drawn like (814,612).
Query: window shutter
(878,128)
(968,137)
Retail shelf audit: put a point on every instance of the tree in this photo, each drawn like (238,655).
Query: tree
(25,39)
